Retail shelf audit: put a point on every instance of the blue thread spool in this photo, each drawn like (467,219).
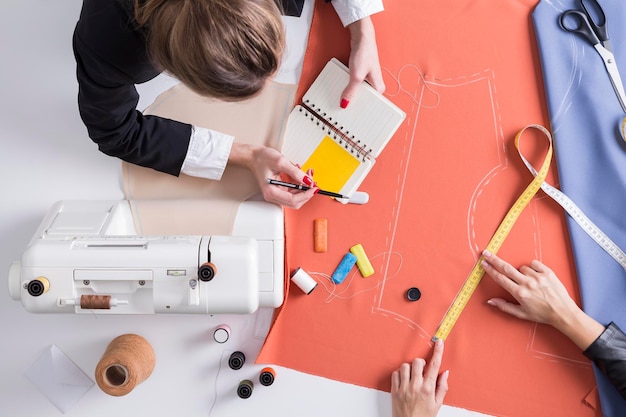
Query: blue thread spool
(343,268)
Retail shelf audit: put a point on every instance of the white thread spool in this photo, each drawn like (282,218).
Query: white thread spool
(221,333)
(303,280)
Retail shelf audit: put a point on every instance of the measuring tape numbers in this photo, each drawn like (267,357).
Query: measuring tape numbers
(505,227)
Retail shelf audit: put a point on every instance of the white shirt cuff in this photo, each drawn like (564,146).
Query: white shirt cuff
(350,11)
(207,154)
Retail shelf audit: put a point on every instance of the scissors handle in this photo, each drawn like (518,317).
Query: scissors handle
(597,18)
(577,22)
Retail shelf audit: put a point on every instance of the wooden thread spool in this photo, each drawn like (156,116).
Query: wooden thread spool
(127,361)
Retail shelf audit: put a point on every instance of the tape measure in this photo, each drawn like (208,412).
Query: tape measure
(472,281)
(581,219)
(561,198)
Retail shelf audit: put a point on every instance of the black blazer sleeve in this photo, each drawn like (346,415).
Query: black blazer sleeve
(111,58)
(608,352)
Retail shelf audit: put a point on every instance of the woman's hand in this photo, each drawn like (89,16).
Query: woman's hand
(265,162)
(417,389)
(364,63)
(542,298)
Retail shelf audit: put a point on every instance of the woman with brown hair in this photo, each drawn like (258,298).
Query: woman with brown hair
(227,49)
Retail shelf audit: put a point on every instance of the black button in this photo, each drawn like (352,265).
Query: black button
(413,294)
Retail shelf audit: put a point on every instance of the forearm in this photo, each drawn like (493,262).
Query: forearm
(579,327)
(242,154)
(361,31)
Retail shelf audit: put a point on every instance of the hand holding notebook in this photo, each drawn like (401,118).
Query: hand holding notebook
(341,145)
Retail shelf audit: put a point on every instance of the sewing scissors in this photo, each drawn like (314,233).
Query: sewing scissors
(594,30)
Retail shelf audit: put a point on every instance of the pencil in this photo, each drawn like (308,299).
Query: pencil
(303,188)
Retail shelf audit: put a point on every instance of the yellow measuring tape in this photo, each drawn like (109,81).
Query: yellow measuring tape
(462,298)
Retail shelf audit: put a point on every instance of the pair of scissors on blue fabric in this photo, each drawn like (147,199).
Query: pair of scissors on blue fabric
(591,25)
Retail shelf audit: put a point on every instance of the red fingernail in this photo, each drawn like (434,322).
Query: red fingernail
(307,181)
(344,103)
(317,190)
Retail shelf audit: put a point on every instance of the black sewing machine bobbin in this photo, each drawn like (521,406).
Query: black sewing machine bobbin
(236,360)
(267,376)
(244,390)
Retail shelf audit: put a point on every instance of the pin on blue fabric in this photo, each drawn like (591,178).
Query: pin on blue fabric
(585,117)
(344,267)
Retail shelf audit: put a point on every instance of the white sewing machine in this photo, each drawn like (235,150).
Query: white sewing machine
(86,257)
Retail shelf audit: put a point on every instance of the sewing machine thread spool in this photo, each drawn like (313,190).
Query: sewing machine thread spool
(38,286)
(221,333)
(244,390)
(303,280)
(206,272)
(95,302)
(127,361)
(267,376)
(236,360)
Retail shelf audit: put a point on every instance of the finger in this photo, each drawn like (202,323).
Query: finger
(503,266)
(284,197)
(432,370)
(349,92)
(504,281)
(503,272)
(442,387)
(514,310)
(529,271)
(395,381)
(539,266)
(375,79)
(405,376)
(417,373)
(300,199)
(296,174)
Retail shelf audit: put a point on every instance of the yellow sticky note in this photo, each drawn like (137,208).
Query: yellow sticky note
(333,165)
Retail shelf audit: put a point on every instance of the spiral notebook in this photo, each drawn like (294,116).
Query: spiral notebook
(341,145)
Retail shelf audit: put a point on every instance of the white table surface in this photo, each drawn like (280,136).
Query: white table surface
(47,156)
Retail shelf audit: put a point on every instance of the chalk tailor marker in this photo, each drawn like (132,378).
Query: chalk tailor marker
(343,268)
(304,188)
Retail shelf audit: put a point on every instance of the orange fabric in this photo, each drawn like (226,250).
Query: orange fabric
(467,75)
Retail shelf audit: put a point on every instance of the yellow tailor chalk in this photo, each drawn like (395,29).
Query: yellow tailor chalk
(362,262)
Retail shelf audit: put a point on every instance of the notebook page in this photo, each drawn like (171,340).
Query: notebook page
(308,143)
(370,118)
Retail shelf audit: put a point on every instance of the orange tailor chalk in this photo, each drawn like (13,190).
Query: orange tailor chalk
(320,235)
(362,261)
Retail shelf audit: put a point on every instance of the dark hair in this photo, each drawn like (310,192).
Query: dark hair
(220,48)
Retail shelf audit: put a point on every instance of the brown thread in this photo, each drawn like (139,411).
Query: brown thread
(91,302)
(127,362)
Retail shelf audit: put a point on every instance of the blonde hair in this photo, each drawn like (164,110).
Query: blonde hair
(220,48)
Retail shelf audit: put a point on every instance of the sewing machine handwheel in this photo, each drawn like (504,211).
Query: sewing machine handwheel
(206,272)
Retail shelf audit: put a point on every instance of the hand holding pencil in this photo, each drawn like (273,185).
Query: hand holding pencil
(265,162)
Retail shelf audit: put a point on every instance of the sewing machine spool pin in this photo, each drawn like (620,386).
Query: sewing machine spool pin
(206,272)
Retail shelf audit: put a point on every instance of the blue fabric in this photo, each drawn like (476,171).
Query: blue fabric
(585,118)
